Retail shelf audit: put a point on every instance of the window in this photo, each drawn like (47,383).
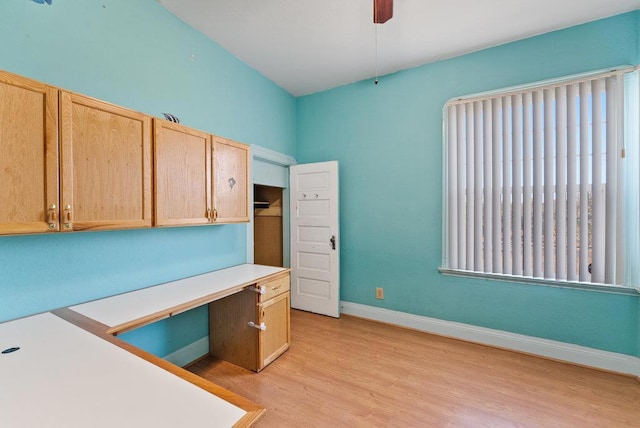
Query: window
(538,183)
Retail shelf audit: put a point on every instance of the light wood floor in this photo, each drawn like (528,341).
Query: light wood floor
(351,372)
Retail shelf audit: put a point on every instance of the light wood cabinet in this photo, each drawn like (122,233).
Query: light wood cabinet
(182,175)
(230,181)
(28,156)
(252,329)
(71,162)
(275,340)
(105,165)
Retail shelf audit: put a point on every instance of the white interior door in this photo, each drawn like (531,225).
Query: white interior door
(315,238)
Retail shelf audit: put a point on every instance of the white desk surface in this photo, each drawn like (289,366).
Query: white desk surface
(64,376)
(140,304)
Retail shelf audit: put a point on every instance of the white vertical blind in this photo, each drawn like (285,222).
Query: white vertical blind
(548,200)
(470,187)
(597,269)
(488,188)
(517,190)
(538,142)
(631,176)
(585,188)
(496,145)
(572,182)
(462,236)
(452,179)
(507,137)
(611,187)
(561,182)
(533,182)
(478,139)
(527,186)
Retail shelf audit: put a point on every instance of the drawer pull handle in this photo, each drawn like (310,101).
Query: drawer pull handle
(275,288)
(261,289)
(260,326)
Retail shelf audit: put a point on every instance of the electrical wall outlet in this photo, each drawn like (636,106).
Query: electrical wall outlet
(379,293)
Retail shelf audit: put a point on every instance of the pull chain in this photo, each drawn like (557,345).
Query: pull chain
(376,57)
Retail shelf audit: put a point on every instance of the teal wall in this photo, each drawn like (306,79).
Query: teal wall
(386,137)
(138,55)
(388,141)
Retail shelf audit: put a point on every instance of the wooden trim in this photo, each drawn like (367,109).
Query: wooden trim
(271,156)
(254,411)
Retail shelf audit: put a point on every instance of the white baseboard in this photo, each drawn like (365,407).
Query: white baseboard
(189,353)
(615,362)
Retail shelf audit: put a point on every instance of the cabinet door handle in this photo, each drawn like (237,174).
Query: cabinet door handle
(262,289)
(52,216)
(209,215)
(260,326)
(215,214)
(67,214)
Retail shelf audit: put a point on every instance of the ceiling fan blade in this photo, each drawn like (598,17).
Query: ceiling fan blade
(382,11)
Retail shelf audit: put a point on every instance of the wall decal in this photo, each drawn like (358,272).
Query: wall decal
(43,1)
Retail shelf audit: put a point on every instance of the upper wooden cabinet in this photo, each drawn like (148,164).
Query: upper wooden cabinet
(70,162)
(28,155)
(105,165)
(230,181)
(182,175)
(199,178)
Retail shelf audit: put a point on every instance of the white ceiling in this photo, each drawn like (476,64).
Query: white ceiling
(307,46)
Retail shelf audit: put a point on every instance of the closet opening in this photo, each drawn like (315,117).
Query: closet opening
(267,225)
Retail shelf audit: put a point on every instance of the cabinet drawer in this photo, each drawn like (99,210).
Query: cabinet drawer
(274,287)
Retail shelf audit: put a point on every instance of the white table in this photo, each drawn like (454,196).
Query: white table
(64,376)
(76,374)
(137,308)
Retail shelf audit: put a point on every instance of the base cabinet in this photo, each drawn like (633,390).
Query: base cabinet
(252,329)
(275,339)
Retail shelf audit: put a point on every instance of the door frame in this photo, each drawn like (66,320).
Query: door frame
(270,168)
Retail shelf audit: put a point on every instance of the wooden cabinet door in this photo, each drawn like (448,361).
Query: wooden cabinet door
(275,339)
(230,181)
(182,175)
(231,338)
(105,165)
(28,156)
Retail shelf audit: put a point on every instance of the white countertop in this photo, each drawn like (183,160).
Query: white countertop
(141,304)
(64,376)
